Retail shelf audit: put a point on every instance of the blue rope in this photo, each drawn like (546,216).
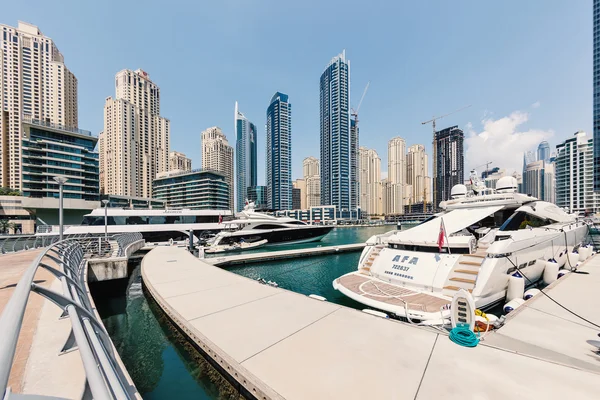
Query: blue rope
(464,336)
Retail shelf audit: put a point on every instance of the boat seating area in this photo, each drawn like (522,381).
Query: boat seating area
(389,294)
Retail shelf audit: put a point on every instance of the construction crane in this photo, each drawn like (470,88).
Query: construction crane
(486,165)
(354,112)
(435,199)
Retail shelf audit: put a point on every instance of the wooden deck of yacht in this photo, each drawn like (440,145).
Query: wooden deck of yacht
(390,294)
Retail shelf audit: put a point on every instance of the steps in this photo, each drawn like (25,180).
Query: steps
(365,267)
(464,273)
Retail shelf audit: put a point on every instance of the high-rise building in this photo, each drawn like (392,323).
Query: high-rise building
(392,197)
(450,163)
(538,180)
(369,178)
(574,167)
(258,195)
(311,170)
(397,161)
(337,185)
(135,140)
(543,151)
(35,85)
(217,155)
(279,153)
(245,157)
(300,184)
(179,162)
(310,167)
(417,174)
(196,190)
(296,193)
(596,163)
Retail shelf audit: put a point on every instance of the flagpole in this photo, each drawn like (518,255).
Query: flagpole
(447,240)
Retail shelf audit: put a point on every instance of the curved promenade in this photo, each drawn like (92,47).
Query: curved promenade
(280,344)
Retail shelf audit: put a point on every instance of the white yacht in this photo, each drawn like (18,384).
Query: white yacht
(485,232)
(154,225)
(252,226)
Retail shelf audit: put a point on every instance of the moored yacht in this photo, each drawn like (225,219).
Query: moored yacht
(251,226)
(476,244)
(154,225)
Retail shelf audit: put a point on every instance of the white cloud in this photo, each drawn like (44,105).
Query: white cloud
(536,105)
(501,142)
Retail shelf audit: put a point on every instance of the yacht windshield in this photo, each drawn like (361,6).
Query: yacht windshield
(522,220)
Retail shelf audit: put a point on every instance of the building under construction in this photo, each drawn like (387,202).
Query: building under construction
(449,162)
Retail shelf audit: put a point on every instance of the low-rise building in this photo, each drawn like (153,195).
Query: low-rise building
(196,190)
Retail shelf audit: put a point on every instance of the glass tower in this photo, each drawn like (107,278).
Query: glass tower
(338,146)
(279,153)
(245,157)
(543,152)
(596,95)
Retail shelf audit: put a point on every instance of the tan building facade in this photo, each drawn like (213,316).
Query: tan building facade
(417,174)
(369,178)
(35,84)
(136,139)
(179,162)
(217,155)
(301,185)
(312,177)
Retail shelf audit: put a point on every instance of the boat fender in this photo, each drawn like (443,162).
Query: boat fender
(573,259)
(530,293)
(516,287)
(562,259)
(513,305)
(463,310)
(550,271)
(583,253)
(563,272)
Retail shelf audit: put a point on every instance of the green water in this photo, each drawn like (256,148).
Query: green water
(160,360)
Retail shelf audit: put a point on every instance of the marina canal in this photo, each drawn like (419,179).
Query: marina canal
(163,364)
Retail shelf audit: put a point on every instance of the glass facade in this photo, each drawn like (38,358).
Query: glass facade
(196,190)
(49,151)
(245,157)
(450,165)
(258,194)
(279,153)
(336,141)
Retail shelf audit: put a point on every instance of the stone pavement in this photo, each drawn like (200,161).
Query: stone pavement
(12,266)
(280,344)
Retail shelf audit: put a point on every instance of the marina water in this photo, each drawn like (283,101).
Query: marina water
(163,364)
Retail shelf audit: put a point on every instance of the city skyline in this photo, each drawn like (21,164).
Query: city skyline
(491,81)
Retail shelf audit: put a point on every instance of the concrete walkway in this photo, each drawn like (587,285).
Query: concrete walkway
(280,344)
(228,260)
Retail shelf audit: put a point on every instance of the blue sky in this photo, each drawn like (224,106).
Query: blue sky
(525,66)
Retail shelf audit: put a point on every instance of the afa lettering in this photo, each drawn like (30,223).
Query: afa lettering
(399,258)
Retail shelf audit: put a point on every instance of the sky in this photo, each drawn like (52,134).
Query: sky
(524,67)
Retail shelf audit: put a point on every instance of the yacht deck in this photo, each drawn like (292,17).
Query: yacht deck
(390,294)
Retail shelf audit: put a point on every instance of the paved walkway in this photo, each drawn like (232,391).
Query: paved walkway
(12,266)
(280,344)
(237,258)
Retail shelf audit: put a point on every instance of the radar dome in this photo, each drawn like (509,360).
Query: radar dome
(458,191)
(507,184)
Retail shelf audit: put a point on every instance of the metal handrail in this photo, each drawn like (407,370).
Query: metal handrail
(103,372)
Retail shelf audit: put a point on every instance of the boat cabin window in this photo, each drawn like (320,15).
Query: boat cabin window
(428,249)
(296,223)
(268,226)
(154,219)
(522,220)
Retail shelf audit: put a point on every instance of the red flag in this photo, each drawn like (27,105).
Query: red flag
(220,218)
(441,235)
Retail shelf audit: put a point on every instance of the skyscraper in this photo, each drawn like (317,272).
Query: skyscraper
(179,162)
(35,85)
(397,160)
(450,163)
(369,177)
(135,140)
(538,180)
(311,169)
(337,185)
(300,184)
(417,174)
(543,152)
(279,153)
(573,168)
(245,157)
(596,163)
(217,155)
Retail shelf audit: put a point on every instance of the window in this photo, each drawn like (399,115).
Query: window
(522,220)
